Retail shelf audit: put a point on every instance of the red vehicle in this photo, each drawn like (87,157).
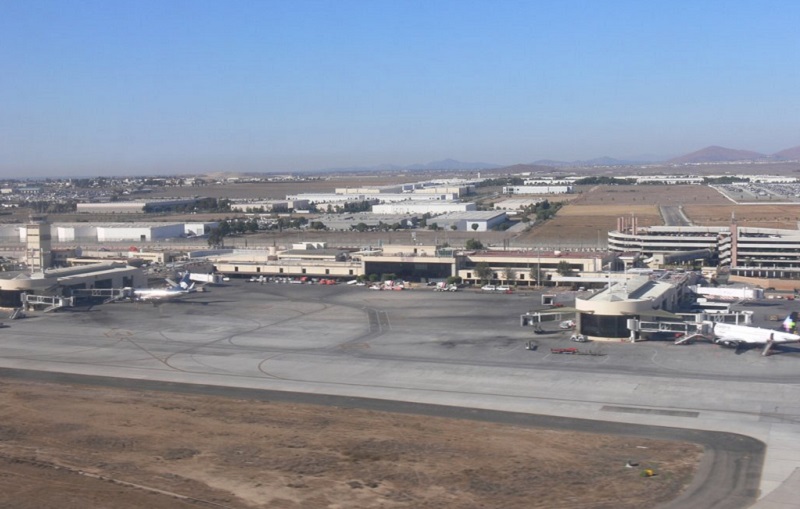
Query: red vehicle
(572,350)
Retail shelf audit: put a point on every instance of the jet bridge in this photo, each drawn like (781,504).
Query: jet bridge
(548,315)
(51,302)
(694,329)
(107,294)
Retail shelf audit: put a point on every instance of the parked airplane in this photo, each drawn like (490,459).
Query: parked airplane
(736,336)
(174,291)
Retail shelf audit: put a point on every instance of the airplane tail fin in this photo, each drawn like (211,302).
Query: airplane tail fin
(790,323)
(186,281)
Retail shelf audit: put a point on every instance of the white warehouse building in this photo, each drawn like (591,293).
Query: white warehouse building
(537,189)
(474,221)
(422,207)
(118,232)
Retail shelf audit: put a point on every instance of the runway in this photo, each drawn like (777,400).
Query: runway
(463,350)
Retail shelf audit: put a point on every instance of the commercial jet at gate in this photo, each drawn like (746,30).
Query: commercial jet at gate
(174,291)
(737,336)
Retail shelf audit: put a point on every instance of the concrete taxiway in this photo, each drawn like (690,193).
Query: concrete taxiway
(462,349)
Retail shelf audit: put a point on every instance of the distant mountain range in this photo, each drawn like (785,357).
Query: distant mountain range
(715,154)
(712,154)
(445,164)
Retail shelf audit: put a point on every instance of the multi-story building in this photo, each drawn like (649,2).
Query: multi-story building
(748,251)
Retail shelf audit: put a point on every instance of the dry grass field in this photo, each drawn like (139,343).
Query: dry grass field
(763,216)
(580,226)
(75,447)
(650,195)
(595,210)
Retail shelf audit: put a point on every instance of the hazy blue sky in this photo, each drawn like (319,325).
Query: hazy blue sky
(164,86)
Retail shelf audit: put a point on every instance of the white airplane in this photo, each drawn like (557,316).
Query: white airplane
(174,291)
(736,336)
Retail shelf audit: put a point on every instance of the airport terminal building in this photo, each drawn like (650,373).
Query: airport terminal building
(750,252)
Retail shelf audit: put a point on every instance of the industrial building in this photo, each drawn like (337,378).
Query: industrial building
(350,221)
(115,232)
(537,189)
(269,205)
(475,221)
(134,207)
(434,208)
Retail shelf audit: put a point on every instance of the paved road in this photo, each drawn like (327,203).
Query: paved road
(674,216)
(463,349)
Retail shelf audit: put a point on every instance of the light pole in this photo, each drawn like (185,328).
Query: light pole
(539,267)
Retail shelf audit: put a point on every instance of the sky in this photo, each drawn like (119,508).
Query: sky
(192,86)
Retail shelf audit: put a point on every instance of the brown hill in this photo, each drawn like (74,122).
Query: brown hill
(788,154)
(715,154)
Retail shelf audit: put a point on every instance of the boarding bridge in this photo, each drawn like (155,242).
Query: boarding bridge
(51,302)
(107,294)
(555,315)
(695,327)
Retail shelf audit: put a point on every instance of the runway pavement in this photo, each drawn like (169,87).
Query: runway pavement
(462,349)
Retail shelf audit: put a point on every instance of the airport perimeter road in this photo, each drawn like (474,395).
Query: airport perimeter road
(463,349)
(674,216)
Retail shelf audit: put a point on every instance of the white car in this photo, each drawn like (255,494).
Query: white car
(488,288)
(503,288)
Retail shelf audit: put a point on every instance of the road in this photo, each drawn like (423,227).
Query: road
(674,216)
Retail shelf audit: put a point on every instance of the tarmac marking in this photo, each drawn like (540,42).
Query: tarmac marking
(634,410)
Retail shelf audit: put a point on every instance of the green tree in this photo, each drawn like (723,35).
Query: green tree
(535,273)
(483,271)
(473,244)
(564,268)
(508,274)
(215,237)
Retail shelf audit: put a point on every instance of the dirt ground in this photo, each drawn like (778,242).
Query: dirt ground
(75,447)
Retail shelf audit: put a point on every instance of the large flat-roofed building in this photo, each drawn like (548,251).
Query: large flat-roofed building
(537,267)
(475,220)
(269,205)
(416,262)
(423,207)
(537,189)
(122,232)
(134,207)
(366,220)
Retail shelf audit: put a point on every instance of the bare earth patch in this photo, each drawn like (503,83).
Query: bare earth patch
(761,216)
(75,447)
